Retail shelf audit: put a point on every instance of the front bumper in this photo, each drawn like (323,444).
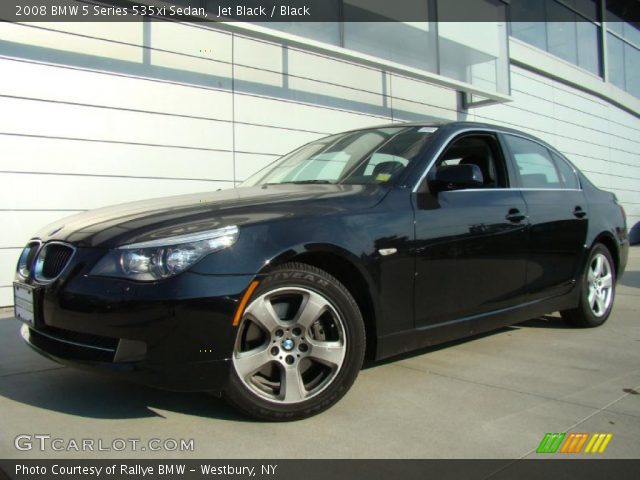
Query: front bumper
(176,334)
(186,377)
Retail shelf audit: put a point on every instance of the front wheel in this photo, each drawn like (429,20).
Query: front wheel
(299,346)
(597,290)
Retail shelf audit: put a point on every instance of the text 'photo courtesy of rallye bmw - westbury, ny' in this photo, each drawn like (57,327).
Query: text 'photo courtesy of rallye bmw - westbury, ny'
(272,293)
(122,470)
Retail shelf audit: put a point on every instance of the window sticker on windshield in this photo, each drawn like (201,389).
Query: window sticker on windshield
(427,130)
(383,177)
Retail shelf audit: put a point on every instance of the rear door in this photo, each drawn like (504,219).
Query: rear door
(557,212)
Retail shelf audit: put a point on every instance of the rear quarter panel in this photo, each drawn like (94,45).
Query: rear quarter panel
(606,223)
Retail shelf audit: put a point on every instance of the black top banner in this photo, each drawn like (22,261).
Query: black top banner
(307,10)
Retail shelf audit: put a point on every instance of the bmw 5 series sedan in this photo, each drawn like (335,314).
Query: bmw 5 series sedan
(372,242)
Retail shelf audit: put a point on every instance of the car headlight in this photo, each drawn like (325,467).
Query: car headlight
(162,258)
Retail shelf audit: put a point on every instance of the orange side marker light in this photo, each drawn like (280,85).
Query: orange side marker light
(243,302)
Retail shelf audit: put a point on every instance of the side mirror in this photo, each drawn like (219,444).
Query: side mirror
(456,177)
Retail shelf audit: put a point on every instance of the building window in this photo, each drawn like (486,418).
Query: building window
(570,30)
(408,43)
(412,44)
(523,16)
(573,31)
(475,52)
(632,70)
(327,32)
(588,37)
(623,48)
(615,60)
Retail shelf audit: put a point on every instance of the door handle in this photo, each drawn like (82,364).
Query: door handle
(578,212)
(515,216)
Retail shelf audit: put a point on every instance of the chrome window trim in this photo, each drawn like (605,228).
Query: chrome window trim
(489,130)
(38,263)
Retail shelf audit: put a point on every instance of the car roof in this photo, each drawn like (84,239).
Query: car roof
(458,125)
(448,123)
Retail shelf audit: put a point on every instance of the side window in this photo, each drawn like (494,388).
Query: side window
(480,150)
(569,177)
(534,163)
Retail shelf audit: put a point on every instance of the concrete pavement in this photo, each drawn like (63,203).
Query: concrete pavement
(493,396)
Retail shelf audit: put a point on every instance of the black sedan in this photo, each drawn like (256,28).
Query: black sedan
(371,242)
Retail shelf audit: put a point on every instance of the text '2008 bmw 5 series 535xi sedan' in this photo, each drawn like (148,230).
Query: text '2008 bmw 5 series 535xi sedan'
(374,241)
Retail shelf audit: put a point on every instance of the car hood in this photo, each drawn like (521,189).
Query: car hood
(169,216)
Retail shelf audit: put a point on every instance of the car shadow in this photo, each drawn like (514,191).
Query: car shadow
(31,379)
(87,394)
(83,394)
(630,278)
(546,321)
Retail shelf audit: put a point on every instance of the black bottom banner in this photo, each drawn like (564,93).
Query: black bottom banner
(583,469)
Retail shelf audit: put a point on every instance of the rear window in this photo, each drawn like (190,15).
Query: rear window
(534,164)
(568,174)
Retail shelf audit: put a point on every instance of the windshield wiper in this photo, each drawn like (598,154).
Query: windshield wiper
(311,182)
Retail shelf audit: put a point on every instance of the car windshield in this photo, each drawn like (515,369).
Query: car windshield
(361,157)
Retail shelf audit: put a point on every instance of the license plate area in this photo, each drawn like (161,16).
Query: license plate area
(24,303)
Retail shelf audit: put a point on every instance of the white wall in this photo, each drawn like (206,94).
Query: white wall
(96,114)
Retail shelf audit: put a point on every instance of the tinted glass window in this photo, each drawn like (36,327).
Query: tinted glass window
(524,25)
(411,44)
(623,46)
(360,157)
(474,52)
(569,177)
(562,32)
(588,46)
(533,163)
(615,60)
(588,8)
(479,150)
(632,70)
(327,31)
(622,19)
(569,30)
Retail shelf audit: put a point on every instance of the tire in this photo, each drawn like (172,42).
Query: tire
(597,290)
(299,347)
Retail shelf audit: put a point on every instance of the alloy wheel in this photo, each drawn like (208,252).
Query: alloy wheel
(599,284)
(291,345)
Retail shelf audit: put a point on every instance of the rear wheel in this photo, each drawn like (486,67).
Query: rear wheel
(597,290)
(299,346)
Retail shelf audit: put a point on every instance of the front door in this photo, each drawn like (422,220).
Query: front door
(471,244)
